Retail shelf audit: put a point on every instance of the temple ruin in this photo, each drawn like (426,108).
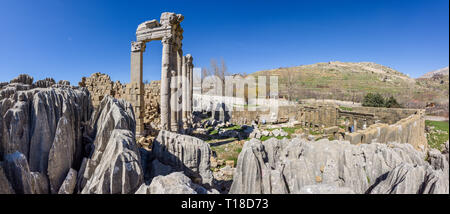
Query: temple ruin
(176,73)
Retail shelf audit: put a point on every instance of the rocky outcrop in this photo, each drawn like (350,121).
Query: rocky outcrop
(5,185)
(114,166)
(173,183)
(18,173)
(184,153)
(289,166)
(48,134)
(46,126)
(413,179)
(68,185)
(325,189)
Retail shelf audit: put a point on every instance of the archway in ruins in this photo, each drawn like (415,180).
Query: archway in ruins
(176,74)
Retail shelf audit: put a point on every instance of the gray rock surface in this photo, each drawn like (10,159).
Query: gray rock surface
(61,154)
(279,166)
(68,185)
(174,183)
(39,183)
(5,185)
(412,179)
(115,164)
(157,168)
(18,173)
(184,153)
(46,125)
(325,189)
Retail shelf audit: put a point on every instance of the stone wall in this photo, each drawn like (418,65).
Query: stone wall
(100,85)
(407,130)
(284,114)
(152,103)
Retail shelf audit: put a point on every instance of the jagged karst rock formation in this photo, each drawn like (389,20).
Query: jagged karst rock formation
(184,153)
(115,163)
(41,132)
(288,166)
(51,141)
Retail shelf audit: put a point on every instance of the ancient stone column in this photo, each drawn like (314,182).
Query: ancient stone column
(180,94)
(166,70)
(136,85)
(190,79)
(185,95)
(173,90)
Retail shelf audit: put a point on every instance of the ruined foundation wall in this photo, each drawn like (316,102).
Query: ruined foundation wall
(386,115)
(407,130)
(100,85)
(285,113)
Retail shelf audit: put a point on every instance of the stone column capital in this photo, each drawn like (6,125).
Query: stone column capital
(189,59)
(138,46)
(168,39)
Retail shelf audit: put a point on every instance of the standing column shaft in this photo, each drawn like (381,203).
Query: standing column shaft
(165,83)
(136,85)
(173,90)
(191,88)
(185,96)
(180,86)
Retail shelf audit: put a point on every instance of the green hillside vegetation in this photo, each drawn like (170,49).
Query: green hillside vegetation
(352,81)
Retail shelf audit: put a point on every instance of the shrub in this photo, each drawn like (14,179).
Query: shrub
(373,100)
(376,100)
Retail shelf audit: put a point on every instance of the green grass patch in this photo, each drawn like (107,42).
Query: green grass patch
(312,132)
(291,130)
(213,132)
(227,151)
(346,108)
(264,138)
(434,138)
(236,127)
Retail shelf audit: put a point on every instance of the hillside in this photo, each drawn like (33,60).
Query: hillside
(442,71)
(351,81)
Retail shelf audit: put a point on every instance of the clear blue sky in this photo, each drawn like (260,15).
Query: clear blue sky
(67,39)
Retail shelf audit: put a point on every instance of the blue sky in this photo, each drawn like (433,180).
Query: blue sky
(67,39)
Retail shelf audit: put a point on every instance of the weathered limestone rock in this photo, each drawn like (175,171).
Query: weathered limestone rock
(63,82)
(5,185)
(300,163)
(68,185)
(45,83)
(184,153)
(18,173)
(16,135)
(61,154)
(40,183)
(410,179)
(47,108)
(157,168)
(115,164)
(325,189)
(174,183)
(23,78)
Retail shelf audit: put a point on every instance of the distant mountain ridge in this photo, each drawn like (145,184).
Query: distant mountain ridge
(351,81)
(443,71)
